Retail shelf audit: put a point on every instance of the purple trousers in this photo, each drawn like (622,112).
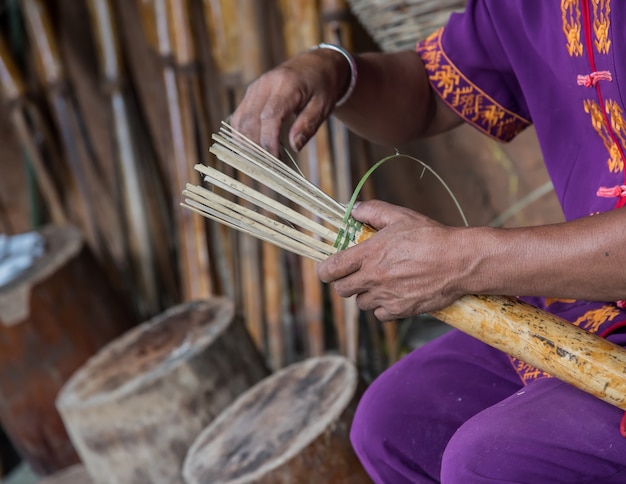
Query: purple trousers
(455,411)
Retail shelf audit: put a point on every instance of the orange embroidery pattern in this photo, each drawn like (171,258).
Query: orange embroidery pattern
(593,319)
(527,372)
(615,162)
(467,99)
(601,24)
(618,125)
(572,26)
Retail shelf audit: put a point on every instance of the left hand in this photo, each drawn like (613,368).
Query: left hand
(410,266)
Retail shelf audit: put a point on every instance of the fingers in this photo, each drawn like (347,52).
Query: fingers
(275,98)
(340,266)
(378,214)
(308,122)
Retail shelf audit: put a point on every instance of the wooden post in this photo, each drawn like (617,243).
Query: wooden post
(134,409)
(53,317)
(292,427)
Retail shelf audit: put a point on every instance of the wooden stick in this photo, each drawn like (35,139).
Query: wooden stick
(337,30)
(168,20)
(222,80)
(13,92)
(100,221)
(301,31)
(263,309)
(51,74)
(141,251)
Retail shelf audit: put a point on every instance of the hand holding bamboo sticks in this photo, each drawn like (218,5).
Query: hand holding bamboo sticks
(541,339)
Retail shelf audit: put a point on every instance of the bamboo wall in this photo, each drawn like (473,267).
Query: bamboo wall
(115,108)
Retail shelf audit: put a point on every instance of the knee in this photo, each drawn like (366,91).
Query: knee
(476,453)
(369,427)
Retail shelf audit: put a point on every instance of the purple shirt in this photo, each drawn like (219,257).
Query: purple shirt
(505,64)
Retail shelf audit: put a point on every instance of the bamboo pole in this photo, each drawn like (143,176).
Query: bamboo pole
(135,198)
(264,309)
(100,220)
(303,30)
(337,30)
(51,74)
(167,30)
(13,93)
(220,21)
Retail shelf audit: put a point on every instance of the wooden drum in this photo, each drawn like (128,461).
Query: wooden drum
(134,409)
(292,427)
(76,474)
(53,317)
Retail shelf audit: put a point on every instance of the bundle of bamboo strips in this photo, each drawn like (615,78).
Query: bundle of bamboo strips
(313,239)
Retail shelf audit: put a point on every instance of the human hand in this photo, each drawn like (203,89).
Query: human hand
(408,267)
(306,87)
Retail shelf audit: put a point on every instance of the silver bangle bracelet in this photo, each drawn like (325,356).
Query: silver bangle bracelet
(354,74)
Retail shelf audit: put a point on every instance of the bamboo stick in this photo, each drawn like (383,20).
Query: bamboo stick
(337,30)
(137,215)
(301,30)
(166,24)
(100,221)
(222,80)
(13,92)
(540,339)
(264,310)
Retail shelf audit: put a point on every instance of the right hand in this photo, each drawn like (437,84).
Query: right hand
(307,87)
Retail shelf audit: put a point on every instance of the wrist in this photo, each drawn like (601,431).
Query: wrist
(345,69)
(482,254)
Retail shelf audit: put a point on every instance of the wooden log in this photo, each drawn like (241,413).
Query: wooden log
(291,427)
(134,409)
(77,474)
(53,317)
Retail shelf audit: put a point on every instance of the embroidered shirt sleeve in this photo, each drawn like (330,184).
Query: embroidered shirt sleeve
(454,83)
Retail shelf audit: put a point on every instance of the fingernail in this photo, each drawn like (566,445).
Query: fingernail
(298,142)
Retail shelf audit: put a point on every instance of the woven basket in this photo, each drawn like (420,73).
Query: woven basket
(398,24)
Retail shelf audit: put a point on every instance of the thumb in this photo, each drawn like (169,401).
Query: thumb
(376,213)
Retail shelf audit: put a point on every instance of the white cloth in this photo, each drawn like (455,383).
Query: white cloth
(18,253)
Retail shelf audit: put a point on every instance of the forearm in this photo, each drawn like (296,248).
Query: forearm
(582,259)
(393,102)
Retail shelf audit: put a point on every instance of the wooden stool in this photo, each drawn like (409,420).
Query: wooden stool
(135,408)
(76,474)
(53,317)
(293,427)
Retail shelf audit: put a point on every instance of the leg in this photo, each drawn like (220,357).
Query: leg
(547,432)
(409,413)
